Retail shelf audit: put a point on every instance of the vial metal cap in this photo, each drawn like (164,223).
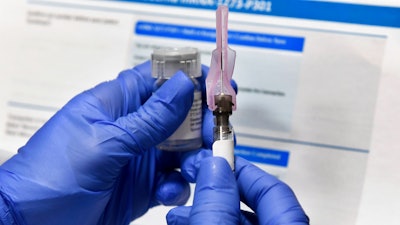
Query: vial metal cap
(167,61)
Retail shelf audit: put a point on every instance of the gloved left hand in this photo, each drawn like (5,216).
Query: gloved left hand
(94,162)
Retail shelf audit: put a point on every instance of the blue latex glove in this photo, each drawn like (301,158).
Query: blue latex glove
(94,161)
(216,197)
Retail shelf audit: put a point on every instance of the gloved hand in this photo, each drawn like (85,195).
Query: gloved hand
(94,161)
(216,197)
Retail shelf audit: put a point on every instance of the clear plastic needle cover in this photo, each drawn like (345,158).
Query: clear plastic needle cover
(222,63)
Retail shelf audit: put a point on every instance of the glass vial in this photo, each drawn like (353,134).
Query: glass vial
(165,63)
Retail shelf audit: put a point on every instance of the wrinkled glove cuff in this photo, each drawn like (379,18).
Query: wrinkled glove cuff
(7,214)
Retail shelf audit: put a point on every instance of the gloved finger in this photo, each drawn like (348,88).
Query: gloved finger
(208,128)
(248,218)
(159,116)
(187,161)
(216,197)
(172,189)
(123,95)
(272,200)
(190,163)
(179,215)
(202,80)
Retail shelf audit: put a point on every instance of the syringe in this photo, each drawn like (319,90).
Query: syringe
(221,97)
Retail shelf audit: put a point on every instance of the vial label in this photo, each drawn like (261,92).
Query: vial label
(191,126)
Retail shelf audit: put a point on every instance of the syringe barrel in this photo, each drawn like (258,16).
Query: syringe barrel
(223,145)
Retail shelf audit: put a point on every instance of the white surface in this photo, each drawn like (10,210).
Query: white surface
(380,198)
(224,149)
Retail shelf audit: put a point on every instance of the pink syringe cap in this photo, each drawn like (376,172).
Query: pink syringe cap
(218,81)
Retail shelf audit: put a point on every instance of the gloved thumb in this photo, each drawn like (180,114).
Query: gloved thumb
(216,197)
(160,115)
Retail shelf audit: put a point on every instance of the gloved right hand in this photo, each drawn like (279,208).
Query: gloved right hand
(217,195)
